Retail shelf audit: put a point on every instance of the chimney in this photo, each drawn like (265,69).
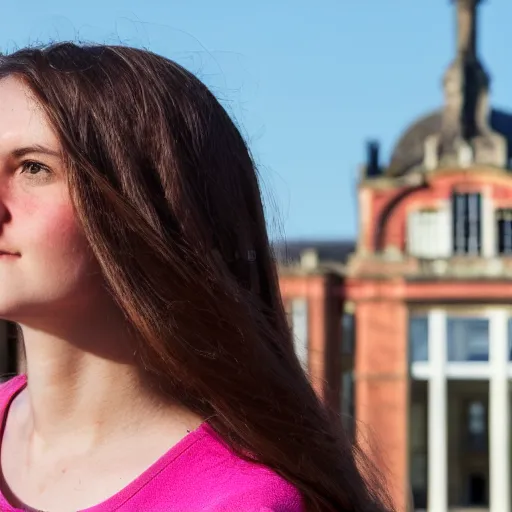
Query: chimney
(372,158)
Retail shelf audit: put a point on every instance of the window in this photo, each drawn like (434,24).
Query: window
(299,321)
(468,339)
(418,338)
(418,434)
(504,231)
(428,234)
(347,334)
(467,222)
(477,426)
(418,454)
(477,484)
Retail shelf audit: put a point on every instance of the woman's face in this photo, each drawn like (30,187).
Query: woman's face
(45,262)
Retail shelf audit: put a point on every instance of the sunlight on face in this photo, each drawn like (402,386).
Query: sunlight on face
(44,258)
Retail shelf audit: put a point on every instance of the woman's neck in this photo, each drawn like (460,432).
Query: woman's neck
(83,381)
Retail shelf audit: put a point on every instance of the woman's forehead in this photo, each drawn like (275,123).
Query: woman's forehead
(23,120)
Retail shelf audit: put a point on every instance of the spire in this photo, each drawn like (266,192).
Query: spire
(467,12)
(466,82)
(465,125)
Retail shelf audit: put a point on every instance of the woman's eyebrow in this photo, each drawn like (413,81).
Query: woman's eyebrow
(36,148)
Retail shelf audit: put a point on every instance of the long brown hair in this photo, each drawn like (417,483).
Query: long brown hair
(168,196)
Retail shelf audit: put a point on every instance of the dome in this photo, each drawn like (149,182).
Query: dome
(410,149)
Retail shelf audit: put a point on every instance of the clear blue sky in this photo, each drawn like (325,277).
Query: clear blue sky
(308,81)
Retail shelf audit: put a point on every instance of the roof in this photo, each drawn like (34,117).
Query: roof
(409,151)
(288,253)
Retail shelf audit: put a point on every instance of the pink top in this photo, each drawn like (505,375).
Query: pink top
(199,474)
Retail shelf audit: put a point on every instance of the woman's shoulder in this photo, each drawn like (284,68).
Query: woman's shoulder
(252,487)
(229,482)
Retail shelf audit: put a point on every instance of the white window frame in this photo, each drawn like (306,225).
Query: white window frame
(300,329)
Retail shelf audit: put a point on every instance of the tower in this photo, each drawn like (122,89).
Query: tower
(429,283)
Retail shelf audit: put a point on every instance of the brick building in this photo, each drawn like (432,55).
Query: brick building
(419,311)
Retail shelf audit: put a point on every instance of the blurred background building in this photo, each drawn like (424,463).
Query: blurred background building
(407,331)
(410,328)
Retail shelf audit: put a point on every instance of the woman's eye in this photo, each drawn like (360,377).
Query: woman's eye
(36,173)
(33,168)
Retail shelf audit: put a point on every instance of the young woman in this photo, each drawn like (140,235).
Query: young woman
(161,374)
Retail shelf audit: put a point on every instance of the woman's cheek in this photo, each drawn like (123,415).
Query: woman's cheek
(51,225)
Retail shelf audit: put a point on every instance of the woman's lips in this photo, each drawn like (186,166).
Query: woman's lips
(8,254)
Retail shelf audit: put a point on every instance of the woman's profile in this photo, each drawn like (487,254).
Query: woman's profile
(160,370)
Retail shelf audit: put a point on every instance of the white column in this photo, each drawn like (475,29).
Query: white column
(499,453)
(437,414)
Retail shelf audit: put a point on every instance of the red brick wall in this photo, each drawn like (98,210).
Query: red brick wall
(382,390)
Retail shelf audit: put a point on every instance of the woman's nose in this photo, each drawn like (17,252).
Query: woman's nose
(3,209)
